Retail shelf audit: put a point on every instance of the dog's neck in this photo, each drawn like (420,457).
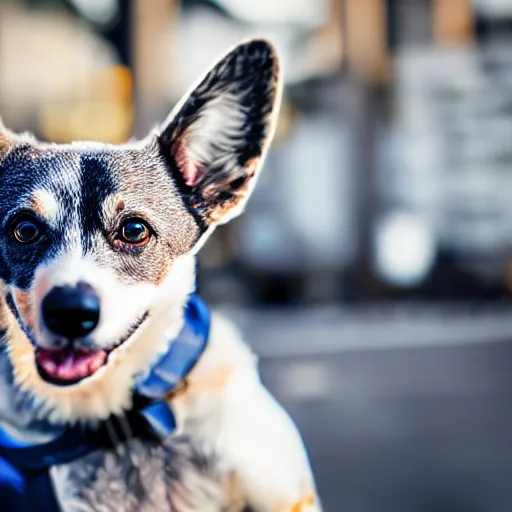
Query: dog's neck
(20,416)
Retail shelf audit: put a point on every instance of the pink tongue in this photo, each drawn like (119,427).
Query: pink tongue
(70,365)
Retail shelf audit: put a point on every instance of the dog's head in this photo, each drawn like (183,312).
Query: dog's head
(97,242)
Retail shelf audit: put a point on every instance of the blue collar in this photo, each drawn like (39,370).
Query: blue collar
(174,366)
(150,405)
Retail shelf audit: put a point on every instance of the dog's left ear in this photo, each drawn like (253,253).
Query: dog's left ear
(9,139)
(216,139)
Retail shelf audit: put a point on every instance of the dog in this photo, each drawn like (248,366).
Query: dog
(97,267)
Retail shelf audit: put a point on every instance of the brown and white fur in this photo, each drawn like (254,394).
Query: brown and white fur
(236,446)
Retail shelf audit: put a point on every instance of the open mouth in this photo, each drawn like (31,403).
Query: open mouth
(71,365)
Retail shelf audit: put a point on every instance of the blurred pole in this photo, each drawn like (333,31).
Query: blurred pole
(453,22)
(368,62)
(152,23)
(366,40)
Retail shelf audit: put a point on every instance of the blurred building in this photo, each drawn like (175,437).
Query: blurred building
(388,181)
(388,177)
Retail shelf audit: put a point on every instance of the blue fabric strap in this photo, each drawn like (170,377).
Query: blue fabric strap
(24,481)
(183,352)
(174,366)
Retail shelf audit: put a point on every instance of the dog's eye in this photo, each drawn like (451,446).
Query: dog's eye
(27,231)
(134,231)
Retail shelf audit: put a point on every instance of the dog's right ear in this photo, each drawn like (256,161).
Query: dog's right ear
(216,139)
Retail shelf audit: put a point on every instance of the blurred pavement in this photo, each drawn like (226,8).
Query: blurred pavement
(396,428)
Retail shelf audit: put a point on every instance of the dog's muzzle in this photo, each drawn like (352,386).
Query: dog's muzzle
(69,314)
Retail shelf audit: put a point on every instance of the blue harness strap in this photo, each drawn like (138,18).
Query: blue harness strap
(22,491)
(25,484)
(24,478)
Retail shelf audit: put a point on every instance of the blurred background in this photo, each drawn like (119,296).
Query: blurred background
(372,271)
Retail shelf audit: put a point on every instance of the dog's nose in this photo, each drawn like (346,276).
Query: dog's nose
(71,311)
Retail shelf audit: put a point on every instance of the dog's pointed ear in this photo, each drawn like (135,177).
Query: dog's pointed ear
(216,139)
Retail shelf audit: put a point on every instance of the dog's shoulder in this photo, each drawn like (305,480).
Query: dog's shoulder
(227,360)
(227,351)
(227,407)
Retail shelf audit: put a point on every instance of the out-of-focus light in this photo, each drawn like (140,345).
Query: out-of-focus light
(303,12)
(306,381)
(98,11)
(493,7)
(103,111)
(405,249)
